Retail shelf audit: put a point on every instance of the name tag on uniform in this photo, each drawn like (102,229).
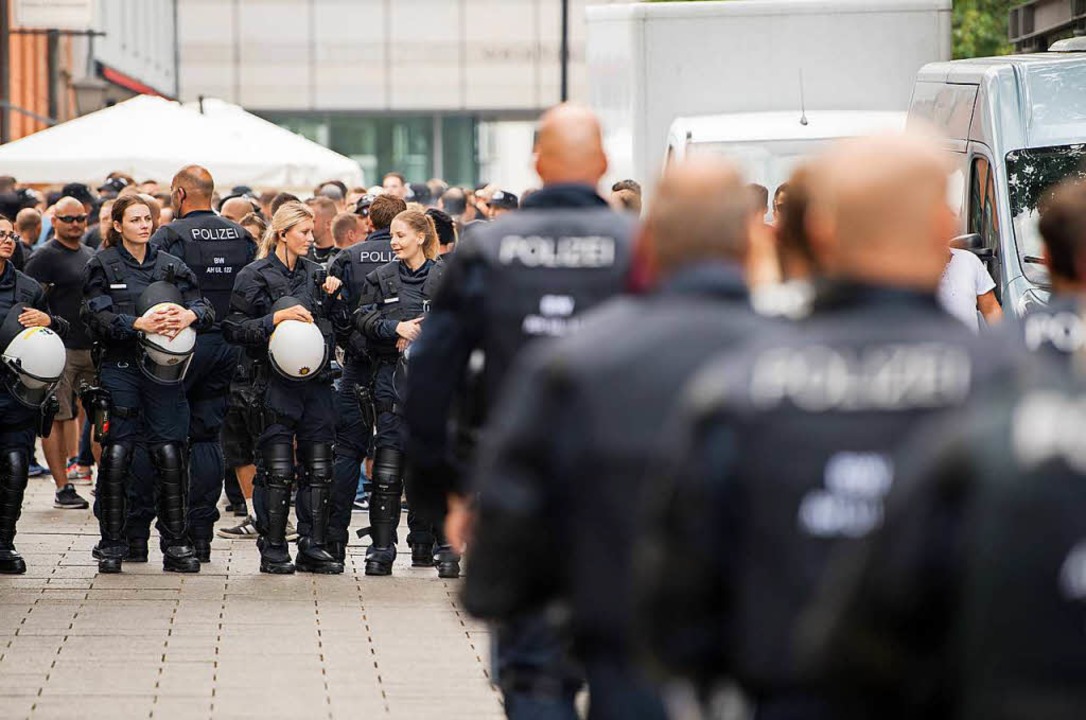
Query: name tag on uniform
(118,286)
(392,300)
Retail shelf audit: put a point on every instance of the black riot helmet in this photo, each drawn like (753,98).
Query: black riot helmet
(163,359)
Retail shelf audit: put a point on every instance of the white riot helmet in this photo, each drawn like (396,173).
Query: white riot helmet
(33,360)
(297,349)
(163,359)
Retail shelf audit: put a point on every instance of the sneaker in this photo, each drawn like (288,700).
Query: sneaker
(292,532)
(245,531)
(36,470)
(68,499)
(78,475)
(361,505)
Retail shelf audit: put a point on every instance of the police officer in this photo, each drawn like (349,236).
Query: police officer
(354,406)
(216,250)
(787,449)
(582,418)
(968,602)
(142,305)
(526,276)
(283,292)
(393,307)
(1057,330)
(32,366)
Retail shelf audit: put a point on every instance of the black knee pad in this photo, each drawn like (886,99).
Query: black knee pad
(168,458)
(115,460)
(278,464)
(319,462)
(388,470)
(15,465)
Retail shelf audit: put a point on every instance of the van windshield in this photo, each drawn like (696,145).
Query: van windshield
(1031,173)
(767,162)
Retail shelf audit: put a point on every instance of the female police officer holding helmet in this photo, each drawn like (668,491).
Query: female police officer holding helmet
(284,310)
(33,360)
(142,306)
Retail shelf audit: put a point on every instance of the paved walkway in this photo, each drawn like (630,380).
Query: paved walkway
(228,642)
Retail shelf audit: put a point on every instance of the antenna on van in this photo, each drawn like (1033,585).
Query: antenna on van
(802,102)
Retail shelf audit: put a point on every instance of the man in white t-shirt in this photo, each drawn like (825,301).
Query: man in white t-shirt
(966,288)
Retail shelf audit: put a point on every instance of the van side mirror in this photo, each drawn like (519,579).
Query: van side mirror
(974,243)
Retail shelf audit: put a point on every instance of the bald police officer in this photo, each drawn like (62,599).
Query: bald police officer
(216,249)
(526,276)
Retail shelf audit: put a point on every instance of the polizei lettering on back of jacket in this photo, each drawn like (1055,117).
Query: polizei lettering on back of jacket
(884,377)
(593,251)
(376,257)
(218,233)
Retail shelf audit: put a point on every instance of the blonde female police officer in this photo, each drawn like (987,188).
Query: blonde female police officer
(390,315)
(138,300)
(283,292)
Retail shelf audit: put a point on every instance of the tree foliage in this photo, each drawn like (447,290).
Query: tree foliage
(980,27)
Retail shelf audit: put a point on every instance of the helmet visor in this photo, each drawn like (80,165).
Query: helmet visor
(27,389)
(164,368)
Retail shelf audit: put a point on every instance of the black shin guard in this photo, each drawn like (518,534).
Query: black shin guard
(279,468)
(319,469)
(14,471)
(112,472)
(172,482)
(385,496)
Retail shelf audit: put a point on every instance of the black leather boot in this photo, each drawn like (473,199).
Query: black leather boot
(318,468)
(112,471)
(202,548)
(178,554)
(278,462)
(446,560)
(137,550)
(338,550)
(14,471)
(384,510)
(422,555)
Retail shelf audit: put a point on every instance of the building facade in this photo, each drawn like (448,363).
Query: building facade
(411,85)
(53,74)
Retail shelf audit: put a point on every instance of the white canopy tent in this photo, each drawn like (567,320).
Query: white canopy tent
(151,137)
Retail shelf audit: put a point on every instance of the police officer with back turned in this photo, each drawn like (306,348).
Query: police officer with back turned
(582,418)
(216,250)
(787,449)
(526,276)
(354,406)
(142,306)
(31,341)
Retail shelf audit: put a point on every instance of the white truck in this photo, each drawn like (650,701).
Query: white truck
(651,63)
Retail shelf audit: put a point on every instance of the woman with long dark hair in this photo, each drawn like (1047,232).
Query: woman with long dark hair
(143,307)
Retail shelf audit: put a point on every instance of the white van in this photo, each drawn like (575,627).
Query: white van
(1016,126)
(767,145)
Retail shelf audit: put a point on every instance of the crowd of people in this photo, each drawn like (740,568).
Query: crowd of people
(791,448)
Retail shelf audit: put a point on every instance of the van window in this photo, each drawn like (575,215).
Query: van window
(983,210)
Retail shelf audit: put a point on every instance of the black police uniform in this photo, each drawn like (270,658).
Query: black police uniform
(394,293)
(567,455)
(354,420)
(139,408)
(216,249)
(292,410)
(18,422)
(970,602)
(1056,332)
(526,276)
(787,454)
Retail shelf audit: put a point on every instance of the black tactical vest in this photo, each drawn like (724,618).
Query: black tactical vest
(541,272)
(125,286)
(387,278)
(216,250)
(364,258)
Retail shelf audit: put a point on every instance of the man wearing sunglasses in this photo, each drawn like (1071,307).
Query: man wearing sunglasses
(58,266)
